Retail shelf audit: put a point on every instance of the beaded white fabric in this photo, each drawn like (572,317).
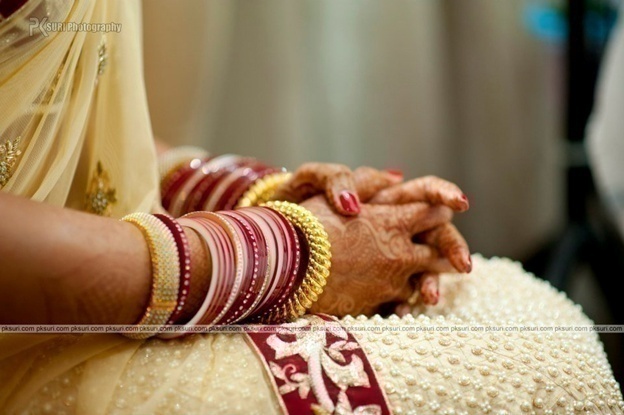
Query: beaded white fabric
(427,372)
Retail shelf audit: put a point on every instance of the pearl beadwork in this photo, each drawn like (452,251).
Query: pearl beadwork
(532,373)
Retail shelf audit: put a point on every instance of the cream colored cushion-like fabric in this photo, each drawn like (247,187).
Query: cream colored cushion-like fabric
(429,372)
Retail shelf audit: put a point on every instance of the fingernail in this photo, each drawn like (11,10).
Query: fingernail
(464,200)
(349,202)
(432,298)
(468,263)
(395,172)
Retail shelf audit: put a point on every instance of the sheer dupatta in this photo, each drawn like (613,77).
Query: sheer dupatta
(74,123)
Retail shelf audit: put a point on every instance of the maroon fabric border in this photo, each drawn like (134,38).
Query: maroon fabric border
(292,402)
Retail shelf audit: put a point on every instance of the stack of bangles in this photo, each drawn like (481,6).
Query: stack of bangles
(193,181)
(269,264)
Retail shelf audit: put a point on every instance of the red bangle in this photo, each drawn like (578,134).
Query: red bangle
(175,180)
(237,189)
(275,257)
(293,271)
(242,304)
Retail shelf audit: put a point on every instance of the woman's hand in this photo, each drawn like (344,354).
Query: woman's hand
(343,188)
(374,256)
(346,190)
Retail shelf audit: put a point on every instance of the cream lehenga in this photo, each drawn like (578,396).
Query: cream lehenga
(75,132)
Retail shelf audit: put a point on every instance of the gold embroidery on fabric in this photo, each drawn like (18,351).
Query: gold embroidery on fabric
(102,57)
(100,195)
(9,153)
(54,84)
(311,346)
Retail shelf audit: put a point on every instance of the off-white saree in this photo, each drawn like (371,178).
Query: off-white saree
(73,101)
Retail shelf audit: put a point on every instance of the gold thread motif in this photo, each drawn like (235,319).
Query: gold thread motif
(100,196)
(9,153)
(308,339)
(102,57)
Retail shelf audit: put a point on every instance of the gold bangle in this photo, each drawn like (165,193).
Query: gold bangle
(319,262)
(263,189)
(165,272)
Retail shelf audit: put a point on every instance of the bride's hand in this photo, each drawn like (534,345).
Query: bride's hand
(374,256)
(346,190)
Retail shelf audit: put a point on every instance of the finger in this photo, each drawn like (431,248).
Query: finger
(403,309)
(342,193)
(307,181)
(426,258)
(428,189)
(414,218)
(422,258)
(335,180)
(410,293)
(447,239)
(430,288)
(369,181)
(442,266)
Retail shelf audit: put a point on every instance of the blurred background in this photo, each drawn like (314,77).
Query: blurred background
(493,95)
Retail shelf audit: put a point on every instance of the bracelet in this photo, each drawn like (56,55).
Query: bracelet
(191,181)
(173,159)
(269,263)
(319,262)
(179,197)
(263,189)
(165,272)
(184,255)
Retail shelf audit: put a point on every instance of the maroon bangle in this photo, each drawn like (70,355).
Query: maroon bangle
(269,235)
(210,198)
(295,264)
(263,265)
(171,185)
(239,187)
(251,273)
(201,191)
(184,253)
(292,254)
(283,258)
(205,186)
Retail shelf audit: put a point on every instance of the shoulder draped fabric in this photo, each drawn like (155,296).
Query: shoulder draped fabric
(65,115)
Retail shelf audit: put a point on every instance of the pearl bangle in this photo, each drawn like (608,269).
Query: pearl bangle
(165,271)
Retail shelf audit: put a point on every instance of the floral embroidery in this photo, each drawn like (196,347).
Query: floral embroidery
(100,196)
(9,153)
(102,56)
(317,364)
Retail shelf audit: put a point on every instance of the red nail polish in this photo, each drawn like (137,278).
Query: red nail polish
(395,172)
(465,199)
(468,264)
(464,203)
(349,202)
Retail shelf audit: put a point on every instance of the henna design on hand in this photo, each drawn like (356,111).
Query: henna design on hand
(373,253)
